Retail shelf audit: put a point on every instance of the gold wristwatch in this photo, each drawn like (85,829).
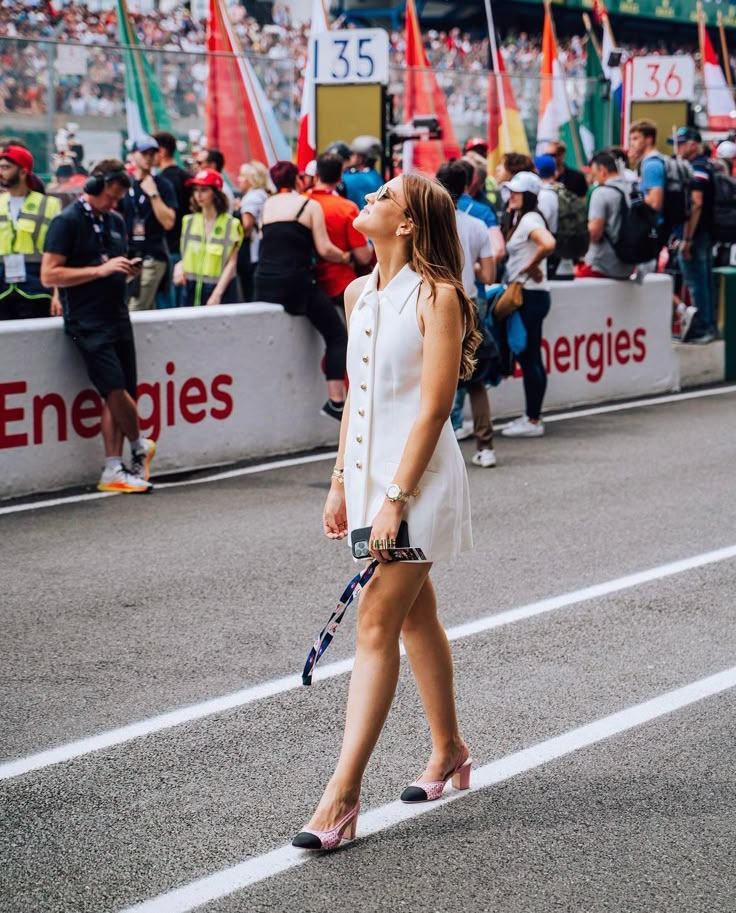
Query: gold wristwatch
(395,493)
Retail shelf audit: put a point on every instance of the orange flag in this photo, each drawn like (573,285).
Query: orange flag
(423,96)
(504,118)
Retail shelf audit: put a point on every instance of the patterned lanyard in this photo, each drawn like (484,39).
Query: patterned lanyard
(98,224)
(330,629)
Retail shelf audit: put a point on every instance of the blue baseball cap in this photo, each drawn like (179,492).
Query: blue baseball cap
(144,144)
(546,166)
(684,134)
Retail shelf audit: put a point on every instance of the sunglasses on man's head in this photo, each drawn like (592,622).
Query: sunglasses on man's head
(383,193)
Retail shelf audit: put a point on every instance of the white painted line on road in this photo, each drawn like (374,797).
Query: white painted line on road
(77,749)
(259,868)
(319,457)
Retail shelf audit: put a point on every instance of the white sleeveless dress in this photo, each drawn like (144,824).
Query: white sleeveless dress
(385,350)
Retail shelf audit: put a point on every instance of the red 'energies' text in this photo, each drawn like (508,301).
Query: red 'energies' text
(48,416)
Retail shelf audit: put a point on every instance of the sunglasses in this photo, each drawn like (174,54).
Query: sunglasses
(383,193)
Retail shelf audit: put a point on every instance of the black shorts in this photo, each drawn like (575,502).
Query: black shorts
(109,355)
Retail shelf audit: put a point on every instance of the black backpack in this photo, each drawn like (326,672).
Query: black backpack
(572,234)
(724,208)
(638,239)
(676,201)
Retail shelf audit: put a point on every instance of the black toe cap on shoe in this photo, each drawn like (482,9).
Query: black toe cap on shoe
(306,841)
(413,794)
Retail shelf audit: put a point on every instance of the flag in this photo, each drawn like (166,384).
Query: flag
(612,74)
(718,95)
(145,110)
(306,145)
(423,96)
(594,126)
(239,118)
(555,118)
(504,118)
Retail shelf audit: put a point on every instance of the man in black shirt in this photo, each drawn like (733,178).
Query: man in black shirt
(177,177)
(85,257)
(149,210)
(568,177)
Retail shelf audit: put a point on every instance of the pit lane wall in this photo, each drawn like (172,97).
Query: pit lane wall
(233,382)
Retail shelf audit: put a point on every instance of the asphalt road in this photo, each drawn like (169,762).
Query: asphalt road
(118,610)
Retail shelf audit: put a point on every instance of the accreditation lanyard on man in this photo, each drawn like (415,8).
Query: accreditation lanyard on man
(14,264)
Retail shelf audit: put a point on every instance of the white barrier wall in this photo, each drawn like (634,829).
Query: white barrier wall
(236,381)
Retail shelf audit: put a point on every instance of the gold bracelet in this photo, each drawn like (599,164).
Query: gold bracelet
(338,475)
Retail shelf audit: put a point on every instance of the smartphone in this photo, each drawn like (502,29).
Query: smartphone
(359,540)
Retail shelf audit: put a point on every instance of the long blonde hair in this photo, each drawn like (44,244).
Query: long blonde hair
(437,255)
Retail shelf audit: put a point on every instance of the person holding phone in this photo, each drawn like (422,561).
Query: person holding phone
(412,332)
(85,257)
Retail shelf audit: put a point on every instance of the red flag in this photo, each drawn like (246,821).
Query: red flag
(422,96)
(239,119)
(718,94)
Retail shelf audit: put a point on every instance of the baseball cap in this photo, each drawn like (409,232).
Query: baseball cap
(726,150)
(524,182)
(545,165)
(684,134)
(310,169)
(18,156)
(476,144)
(145,144)
(207,177)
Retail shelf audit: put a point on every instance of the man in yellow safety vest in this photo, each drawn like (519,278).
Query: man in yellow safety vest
(25,216)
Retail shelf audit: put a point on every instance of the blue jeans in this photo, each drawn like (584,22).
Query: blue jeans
(533,311)
(697,274)
(171,298)
(456,416)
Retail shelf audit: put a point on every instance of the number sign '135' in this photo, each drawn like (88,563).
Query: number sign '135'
(663,79)
(351,56)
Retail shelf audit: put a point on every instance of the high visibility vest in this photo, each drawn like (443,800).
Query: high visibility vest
(28,234)
(203,259)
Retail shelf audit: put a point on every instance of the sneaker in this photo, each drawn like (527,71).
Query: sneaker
(332,410)
(140,461)
(119,479)
(686,321)
(702,340)
(462,433)
(523,427)
(484,458)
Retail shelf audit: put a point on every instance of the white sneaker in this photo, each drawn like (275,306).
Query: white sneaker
(119,479)
(524,427)
(140,461)
(686,321)
(484,458)
(462,433)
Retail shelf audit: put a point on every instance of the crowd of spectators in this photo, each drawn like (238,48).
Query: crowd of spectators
(279,53)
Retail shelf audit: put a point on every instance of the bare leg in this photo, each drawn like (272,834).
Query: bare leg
(383,607)
(336,390)
(124,413)
(112,436)
(430,658)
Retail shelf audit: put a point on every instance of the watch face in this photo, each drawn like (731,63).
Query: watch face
(393,491)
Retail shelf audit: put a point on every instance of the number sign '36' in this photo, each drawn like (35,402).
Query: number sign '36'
(663,79)
(351,56)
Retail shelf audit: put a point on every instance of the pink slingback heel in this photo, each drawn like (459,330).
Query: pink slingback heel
(329,840)
(420,791)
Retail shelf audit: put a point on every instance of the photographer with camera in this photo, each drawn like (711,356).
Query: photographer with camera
(85,257)
(149,210)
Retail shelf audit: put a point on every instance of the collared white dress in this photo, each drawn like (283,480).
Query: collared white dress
(385,353)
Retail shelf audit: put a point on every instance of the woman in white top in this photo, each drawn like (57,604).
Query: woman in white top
(528,244)
(412,332)
(255,185)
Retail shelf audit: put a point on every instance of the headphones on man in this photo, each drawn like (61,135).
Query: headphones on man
(95,183)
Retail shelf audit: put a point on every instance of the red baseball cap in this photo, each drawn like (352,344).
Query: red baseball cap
(476,143)
(207,177)
(18,156)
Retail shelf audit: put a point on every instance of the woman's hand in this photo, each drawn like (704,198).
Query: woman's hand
(535,273)
(386,526)
(179,278)
(215,298)
(335,515)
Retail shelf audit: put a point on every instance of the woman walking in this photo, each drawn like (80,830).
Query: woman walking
(412,333)
(528,244)
(294,233)
(210,238)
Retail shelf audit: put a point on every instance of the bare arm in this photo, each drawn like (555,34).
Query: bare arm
(325,248)
(691,226)
(55,274)
(655,198)
(225,278)
(485,270)
(497,242)
(546,244)
(247,220)
(596,229)
(165,215)
(362,255)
